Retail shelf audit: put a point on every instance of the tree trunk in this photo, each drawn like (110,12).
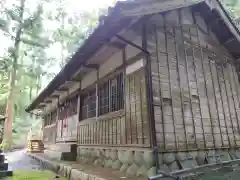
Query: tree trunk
(10,99)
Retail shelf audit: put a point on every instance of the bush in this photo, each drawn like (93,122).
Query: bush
(6,145)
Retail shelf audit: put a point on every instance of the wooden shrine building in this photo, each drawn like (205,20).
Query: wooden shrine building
(156,85)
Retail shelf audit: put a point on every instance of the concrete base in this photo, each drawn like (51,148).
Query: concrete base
(62,151)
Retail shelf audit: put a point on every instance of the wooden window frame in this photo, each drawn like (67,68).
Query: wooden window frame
(104,105)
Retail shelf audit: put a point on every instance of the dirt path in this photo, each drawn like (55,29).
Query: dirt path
(18,160)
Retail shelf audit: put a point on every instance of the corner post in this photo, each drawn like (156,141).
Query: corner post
(149,90)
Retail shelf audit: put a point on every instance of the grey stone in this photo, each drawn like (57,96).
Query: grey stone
(106,154)
(201,157)
(149,158)
(124,167)
(217,156)
(128,157)
(232,153)
(186,160)
(160,158)
(98,153)
(182,156)
(93,153)
(114,155)
(138,158)
(97,162)
(108,163)
(224,155)
(142,171)
(164,168)
(189,163)
(132,170)
(168,158)
(152,171)
(121,156)
(174,166)
(237,154)
(116,165)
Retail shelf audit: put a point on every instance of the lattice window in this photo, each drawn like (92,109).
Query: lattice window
(73,106)
(53,116)
(111,95)
(88,105)
(110,98)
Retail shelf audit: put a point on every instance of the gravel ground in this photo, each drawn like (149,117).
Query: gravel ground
(18,160)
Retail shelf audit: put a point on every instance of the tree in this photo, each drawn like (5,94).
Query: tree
(27,64)
(19,26)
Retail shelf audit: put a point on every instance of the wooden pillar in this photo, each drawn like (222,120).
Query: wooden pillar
(97,94)
(56,123)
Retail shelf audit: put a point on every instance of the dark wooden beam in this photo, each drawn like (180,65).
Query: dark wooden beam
(118,45)
(62,90)
(41,106)
(54,96)
(48,101)
(74,80)
(91,66)
(132,44)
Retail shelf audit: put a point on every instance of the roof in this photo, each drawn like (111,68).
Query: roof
(118,19)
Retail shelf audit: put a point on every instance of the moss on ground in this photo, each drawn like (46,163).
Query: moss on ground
(34,175)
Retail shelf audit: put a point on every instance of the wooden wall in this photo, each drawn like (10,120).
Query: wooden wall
(127,127)
(195,85)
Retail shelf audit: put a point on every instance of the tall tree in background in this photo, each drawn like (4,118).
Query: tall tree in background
(18,25)
(27,60)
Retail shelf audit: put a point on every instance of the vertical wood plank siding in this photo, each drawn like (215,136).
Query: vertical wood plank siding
(195,85)
(128,126)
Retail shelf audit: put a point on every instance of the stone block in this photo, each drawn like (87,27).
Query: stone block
(121,156)
(201,157)
(132,170)
(107,153)
(93,152)
(149,158)
(164,168)
(128,157)
(174,166)
(97,162)
(108,163)
(142,171)
(78,175)
(224,155)
(160,158)
(237,153)
(116,165)
(217,156)
(98,153)
(138,158)
(124,167)
(169,158)
(233,155)
(152,171)
(114,155)
(186,160)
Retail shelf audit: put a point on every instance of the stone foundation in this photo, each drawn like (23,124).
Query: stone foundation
(142,162)
(132,162)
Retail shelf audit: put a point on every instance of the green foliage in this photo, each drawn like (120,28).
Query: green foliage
(6,145)
(26,26)
(33,175)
